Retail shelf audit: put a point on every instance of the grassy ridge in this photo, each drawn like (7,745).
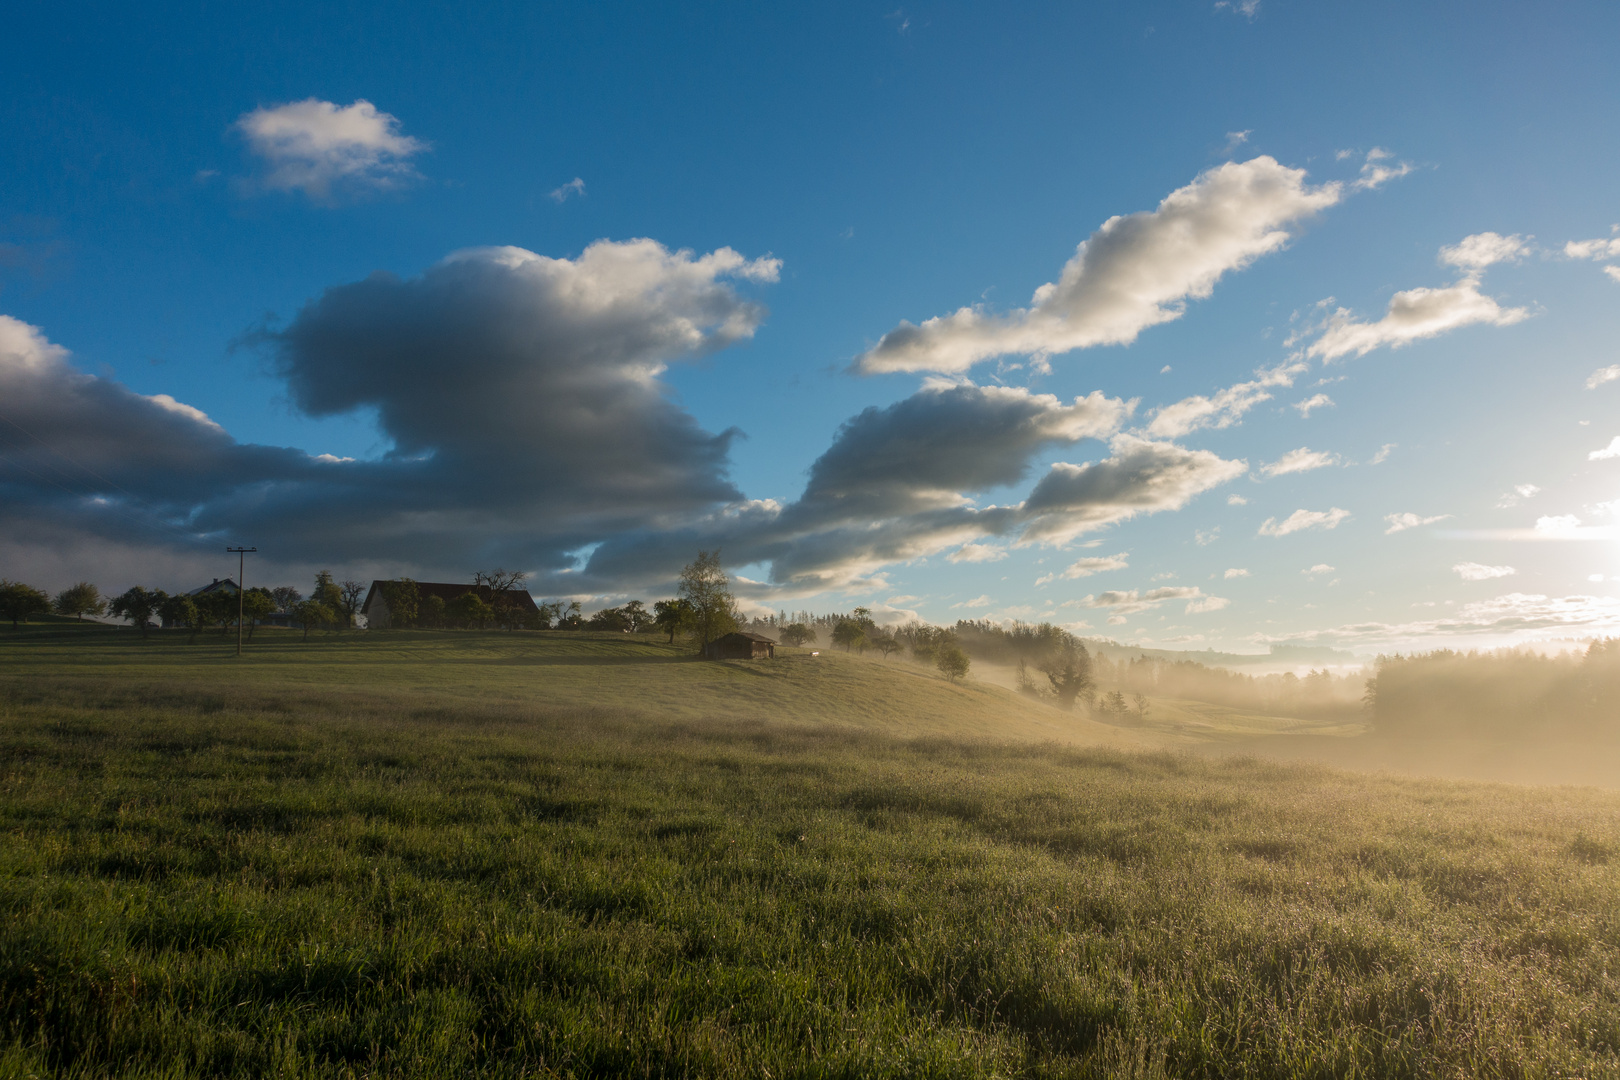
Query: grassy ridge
(352,879)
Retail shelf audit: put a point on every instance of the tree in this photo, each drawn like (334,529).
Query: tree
(1069,672)
(351,593)
(402,599)
(18,601)
(138,605)
(470,608)
(610,619)
(308,613)
(328,594)
(257,603)
(182,610)
(1112,702)
(797,634)
(638,616)
(432,612)
(850,634)
(499,580)
(951,660)
(885,643)
(217,607)
(707,591)
(79,600)
(1141,703)
(571,617)
(672,616)
(286,596)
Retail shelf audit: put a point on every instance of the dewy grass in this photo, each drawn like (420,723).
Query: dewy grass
(206,875)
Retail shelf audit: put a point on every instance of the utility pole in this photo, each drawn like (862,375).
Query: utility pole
(241,554)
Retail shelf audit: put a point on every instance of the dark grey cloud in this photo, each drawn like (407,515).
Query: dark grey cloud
(529,420)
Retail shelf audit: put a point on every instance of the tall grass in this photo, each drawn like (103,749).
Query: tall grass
(323,883)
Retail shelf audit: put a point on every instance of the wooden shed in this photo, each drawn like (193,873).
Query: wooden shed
(741,646)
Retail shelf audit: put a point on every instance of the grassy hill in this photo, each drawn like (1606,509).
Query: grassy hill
(488,855)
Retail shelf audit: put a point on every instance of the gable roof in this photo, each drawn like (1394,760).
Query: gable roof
(448,591)
(747,636)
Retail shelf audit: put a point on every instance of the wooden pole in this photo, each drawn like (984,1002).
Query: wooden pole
(241,589)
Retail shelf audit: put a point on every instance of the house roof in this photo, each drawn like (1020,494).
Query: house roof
(448,591)
(748,636)
(219,584)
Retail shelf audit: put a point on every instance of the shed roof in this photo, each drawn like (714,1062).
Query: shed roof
(448,591)
(747,636)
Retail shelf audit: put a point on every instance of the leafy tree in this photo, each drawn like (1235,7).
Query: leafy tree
(1069,672)
(79,600)
(638,615)
(672,616)
(1112,702)
(403,599)
(312,613)
(797,634)
(1141,703)
(571,617)
(18,601)
(217,607)
(432,612)
(182,610)
(286,596)
(951,660)
(469,608)
(884,643)
(138,605)
(257,604)
(545,615)
(707,591)
(328,593)
(850,634)
(610,619)
(352,594)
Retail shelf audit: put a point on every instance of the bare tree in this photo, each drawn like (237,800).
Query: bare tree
(499,580)
(352,593)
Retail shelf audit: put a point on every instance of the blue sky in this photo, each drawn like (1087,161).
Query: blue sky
(193,206)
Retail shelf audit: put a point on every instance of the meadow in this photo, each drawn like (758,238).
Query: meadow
(504,855)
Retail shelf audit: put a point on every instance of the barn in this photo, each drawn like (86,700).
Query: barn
(741,646)
(378,616)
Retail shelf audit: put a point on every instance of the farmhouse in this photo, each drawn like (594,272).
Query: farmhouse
(224,585)
(740,646)
(376,612)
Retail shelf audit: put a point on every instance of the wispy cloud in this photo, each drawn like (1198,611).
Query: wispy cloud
(1235,572)
(1096,564)
(1473,571)
(1310,404)
(1302,460)
(1402,522)
(576,186)
(1301,520)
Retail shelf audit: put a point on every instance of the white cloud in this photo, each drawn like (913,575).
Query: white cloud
(1383,454)
(1473,571)
(977,553)
(1206,537)
(1520,491)
(1603,375)
(1236,500)
(1558,526)
(1594,249)
(1613,272)
(977,602)
(1319,568)
(1095,564)
(1235,572)
(1610,451)
(1302,460)
(1300,520)
(1378,170)
(576,186)
(1512,614)
(1131,601)
(1224,408)
(1248,9)
(1413,315)
(313,146)
(1141,477)
(1235,139)
(1402,522)
(1315,401)
(1484,249)
(1134,272)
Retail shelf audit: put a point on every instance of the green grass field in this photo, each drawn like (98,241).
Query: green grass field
(470,854)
